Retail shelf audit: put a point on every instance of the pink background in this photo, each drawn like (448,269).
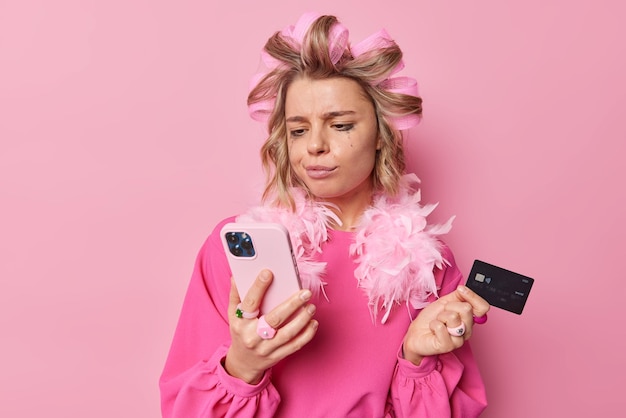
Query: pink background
(125,138)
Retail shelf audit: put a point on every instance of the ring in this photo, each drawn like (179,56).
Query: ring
(240,313)
(458,331)
(480,319)
(264,329)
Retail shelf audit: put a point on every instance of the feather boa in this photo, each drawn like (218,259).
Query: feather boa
(395,249)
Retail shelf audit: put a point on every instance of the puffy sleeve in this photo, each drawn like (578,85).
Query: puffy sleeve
(447,385)
(194,382)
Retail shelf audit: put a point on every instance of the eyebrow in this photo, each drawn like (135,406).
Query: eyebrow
(327,115)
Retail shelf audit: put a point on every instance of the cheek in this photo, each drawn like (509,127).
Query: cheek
(294,152)
(362,154)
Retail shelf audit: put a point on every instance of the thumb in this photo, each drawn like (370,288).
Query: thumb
(479,305)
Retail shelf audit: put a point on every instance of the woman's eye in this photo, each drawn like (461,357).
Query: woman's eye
(343,126)
(294,133)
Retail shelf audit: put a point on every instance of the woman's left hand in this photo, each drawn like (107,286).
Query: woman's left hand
(428,334)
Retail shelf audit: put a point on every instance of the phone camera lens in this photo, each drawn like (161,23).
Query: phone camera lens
(236,250)
(232,238)
(246,244)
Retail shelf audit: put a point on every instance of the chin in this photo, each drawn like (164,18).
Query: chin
(321,194)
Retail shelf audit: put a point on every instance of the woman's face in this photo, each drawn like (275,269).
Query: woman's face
(332,137)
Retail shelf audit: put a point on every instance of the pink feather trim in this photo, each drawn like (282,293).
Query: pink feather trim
(395,249)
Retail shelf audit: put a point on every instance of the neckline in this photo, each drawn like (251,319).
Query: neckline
(339,233)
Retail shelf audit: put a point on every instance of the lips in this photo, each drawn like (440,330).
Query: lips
(319,171)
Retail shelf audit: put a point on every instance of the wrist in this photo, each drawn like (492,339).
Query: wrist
(231,367)
(416,359)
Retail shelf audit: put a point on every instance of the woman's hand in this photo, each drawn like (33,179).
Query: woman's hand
(250,355)
(428,334)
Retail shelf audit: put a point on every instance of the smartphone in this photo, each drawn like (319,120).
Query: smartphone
(252,247)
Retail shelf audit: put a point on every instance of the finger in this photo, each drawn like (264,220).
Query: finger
(464,309)
(457,326)
(464,294)
(298,341)
(297,323)
(444,341)
(479,305)
(233,299)
(289,337)
(450,318)
(252,301)
(280,314)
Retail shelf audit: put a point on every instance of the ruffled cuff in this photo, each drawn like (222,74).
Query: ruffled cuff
(418,391)
(411,371)
(207,390)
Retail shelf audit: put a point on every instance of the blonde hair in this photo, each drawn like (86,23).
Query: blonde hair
(312,59)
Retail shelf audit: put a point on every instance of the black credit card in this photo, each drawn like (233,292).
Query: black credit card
(500,287)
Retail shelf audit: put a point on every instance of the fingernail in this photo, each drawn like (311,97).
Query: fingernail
(311,309)
(264,276)
(462,289)
(305,295)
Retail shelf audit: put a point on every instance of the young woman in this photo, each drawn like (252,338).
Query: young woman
(381,325)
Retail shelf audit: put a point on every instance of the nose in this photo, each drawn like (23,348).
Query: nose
(318,142)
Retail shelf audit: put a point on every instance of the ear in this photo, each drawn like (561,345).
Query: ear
(379,143)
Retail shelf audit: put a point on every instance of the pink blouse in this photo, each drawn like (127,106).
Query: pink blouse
(352,368)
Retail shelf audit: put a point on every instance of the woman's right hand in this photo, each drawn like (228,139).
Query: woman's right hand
(249,355)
